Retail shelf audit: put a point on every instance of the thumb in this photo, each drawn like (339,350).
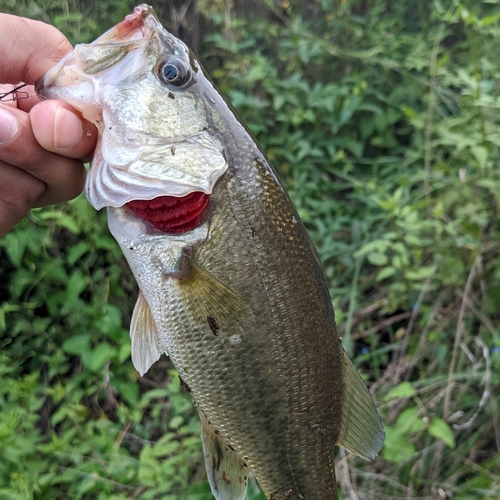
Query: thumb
(59,128)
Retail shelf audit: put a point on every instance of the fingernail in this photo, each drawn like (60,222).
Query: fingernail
(67,129)
(8,126)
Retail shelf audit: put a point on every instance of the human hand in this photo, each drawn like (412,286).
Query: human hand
(42,144)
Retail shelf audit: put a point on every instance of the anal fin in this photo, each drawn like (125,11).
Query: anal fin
(361,430)
(226,471)
(144,336)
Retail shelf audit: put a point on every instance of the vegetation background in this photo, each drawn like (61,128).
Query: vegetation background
(382,118)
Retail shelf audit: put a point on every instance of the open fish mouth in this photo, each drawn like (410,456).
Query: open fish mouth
(155,139)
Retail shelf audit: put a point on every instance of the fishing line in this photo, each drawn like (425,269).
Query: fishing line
(14,95)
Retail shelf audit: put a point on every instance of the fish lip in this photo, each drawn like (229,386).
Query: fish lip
(40,87)
(44,83)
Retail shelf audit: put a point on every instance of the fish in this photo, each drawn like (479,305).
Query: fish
(230,285)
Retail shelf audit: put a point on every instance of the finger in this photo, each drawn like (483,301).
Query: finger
(64,177)
(59,128)
(28,49)
(18,193)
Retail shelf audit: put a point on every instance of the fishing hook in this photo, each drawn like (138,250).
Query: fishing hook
(14,95)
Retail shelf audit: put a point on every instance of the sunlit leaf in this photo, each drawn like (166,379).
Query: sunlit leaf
(441,430)
(403,390)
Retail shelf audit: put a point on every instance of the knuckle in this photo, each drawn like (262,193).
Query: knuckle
(18,200)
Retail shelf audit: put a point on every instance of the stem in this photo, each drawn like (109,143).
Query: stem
(347,340)
(450,384)
(458,337)
(430,116)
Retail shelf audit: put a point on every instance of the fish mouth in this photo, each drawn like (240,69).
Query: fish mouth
(134,31)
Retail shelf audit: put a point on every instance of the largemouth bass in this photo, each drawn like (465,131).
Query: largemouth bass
(230,285)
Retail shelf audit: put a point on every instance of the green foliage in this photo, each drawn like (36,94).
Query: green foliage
(383,121)
(381,117)
(74,418)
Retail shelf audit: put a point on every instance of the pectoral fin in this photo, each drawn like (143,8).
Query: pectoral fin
(227,473)
(225,312)
(361,431)
(144,335)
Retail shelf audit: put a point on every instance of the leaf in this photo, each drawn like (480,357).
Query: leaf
(94,359)
(76,284)
(372,246)
(77,344)
(199,491)
(397,447)
(481,154)
(385,273)
(153,394)
(441,430)
(421,273)
(403,390)
(124,352)
(377,259)
(128,390)
(409,421)
(176,422)
(76,252)
(68,223)
(110,319)
(278,101)
(257,72)
(15,245)
(487,20)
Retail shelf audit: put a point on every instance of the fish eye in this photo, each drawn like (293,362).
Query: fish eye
(173,72)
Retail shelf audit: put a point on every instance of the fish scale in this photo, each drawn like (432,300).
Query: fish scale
(239,302)
(298,335)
